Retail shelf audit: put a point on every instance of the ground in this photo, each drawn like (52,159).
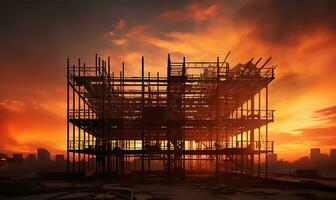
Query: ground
(155,188)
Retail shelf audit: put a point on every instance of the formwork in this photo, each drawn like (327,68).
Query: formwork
(201,118)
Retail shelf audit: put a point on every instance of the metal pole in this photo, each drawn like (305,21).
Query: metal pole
(79,116)
(217,118)
(142,124)
(167,106)
(266,156)
(84,131)
(68,161)
(252,138)
(73,126)
(259,137)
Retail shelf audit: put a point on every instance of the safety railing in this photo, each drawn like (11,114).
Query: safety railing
(246,145)
(76,114)
(87,71)
(256,114)
(256,145)
(237,115)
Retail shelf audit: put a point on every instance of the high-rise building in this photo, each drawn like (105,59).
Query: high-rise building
(332,155)
(31,157)
(18,156)
(59,159)
(3,163)
(43,155)
(30,162)
(315,155)
(16,162)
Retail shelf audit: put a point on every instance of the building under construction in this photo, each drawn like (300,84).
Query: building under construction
(201,118)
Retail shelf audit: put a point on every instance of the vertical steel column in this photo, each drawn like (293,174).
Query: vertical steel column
(259,136)
(167,106)
(84,131)
(252,138)
(266,156)
(247,139)
(123,128)
(94,162)
(227,68)
(241,139)
(149,101)
(109,116)
(73,125)
(237,140)
(103,116)
(113,162)
(226,110)
(79,117)
(217,118)
(68,161)
(98,119)
(142,121)
(184,79)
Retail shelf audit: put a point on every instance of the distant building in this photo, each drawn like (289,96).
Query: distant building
(315,155)
(59,159)
(31,157)
(3,155)
(303,163)
(18,157)
(3,163)
(16,162)
(332,155)
(272,158)
(324,157)
(43,155)
(30,162)
(60,163)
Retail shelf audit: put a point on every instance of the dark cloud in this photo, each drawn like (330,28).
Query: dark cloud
(37,36)
(283,22)
(289,85)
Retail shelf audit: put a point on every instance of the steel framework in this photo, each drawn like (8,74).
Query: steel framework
(202,118)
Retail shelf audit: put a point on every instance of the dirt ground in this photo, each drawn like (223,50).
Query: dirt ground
(190,188)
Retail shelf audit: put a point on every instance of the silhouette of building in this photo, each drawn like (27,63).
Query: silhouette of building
(30,162)
(332,155)
(59,158)
(315,155)
(15,163)
(201,117)
(303,162)
(31,158)
(60,163)
(3,163)
(273,158)
(43,155)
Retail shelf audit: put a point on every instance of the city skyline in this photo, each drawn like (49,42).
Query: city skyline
(331,153)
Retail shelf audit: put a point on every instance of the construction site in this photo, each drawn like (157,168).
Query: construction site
(199,118)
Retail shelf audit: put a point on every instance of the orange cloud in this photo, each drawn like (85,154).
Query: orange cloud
(27,126)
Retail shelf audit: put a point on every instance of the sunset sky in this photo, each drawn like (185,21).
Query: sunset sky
(36,37)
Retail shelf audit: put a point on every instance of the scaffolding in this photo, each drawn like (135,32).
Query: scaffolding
(201,118)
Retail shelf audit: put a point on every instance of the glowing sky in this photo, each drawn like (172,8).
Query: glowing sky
(37,36)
